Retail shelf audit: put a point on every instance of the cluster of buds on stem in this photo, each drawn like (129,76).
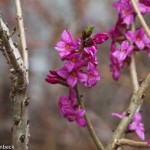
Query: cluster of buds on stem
(80,67)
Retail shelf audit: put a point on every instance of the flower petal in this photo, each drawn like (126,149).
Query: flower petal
(66,36)
(140,134)
(71,80)
(130,35)
(81,122)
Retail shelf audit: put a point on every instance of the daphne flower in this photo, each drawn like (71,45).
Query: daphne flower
(72,77)
(66,45)
(125,50)
(139,38)
(74,61)
(70,110)
(92,75)
(90,50)
(125,10)
(137,126)
(143,8)
(100,38)
(78,116)
(120,116)
(115,65)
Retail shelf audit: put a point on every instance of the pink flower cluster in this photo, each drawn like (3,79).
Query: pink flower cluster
(125,41)
(80,67)
(136,124)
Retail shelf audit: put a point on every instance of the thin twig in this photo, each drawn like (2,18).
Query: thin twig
(138,144)
(24,51)
(89,125)
(139,15)
(133,73)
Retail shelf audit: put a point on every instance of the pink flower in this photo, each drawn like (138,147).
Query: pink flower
(90,50)
(74,61)
(67,45)
(100,38)
(115,65)
(92,75)
(78,116)
(125,10)
(139,38)
(115,69)
(143,8)
(70,109)
(120,116)
(125,50)
(89,55)
(54,78)
(137,126)
(72,77)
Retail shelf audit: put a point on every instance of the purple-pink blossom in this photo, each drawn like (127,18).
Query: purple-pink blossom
(125,10)
(137,126)
(70,109)
(67,45)
(139,38)
(92,75)
(125,50)
(120,58)
(80,66)
(74,61)
(100,38)
(72,77)
(120,116)
(144,9)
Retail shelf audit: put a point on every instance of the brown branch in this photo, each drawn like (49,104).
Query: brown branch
(18,88)
(89,125)
(136,101)
(122,142)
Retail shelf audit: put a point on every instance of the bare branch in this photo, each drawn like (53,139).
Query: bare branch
(122,142)
(12,52)
(24,51)
(136,101)
(134,78)
(89,125)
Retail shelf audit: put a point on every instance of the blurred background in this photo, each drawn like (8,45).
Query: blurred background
(44,21)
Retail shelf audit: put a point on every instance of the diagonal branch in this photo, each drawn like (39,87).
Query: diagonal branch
(89,125)
(138,144)
(12,52)
(136,101)
(18,88)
